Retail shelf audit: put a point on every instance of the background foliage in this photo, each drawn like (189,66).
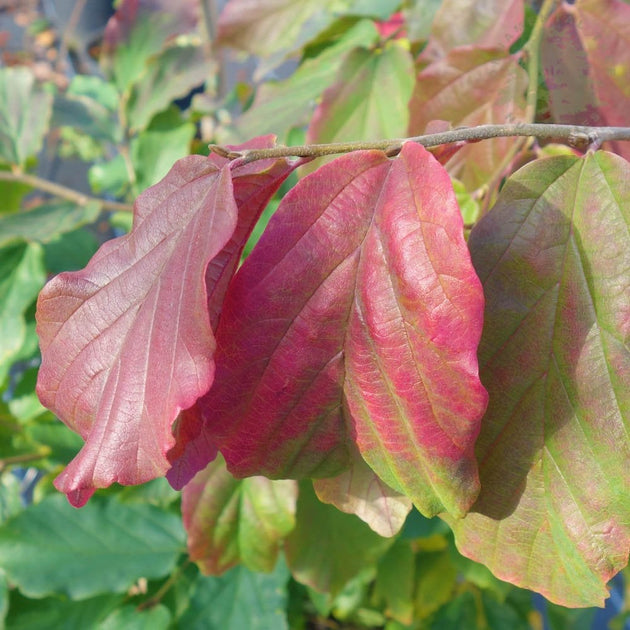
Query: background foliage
(161,84)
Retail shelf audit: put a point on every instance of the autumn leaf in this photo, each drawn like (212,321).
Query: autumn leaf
(356,317)
(553,255)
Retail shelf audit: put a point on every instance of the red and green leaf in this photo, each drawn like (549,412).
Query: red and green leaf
(127,342)
(230,520)
(586,60)
(360,491)
(471,86)
(356,317)
(553,255)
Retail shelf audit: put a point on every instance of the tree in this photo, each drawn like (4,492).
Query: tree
(405,367)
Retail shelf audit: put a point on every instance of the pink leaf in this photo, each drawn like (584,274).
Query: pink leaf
(356,316)
(126,342)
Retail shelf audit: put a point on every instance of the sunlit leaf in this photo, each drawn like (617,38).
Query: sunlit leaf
(140,29)
(487,23)
(25,112)
(369,98)
(553,255)
(586,60)
(350,545)
(471,86)
(395,581)
(359,491)
(232,520)
(357,314)
(126,342)
(52,548)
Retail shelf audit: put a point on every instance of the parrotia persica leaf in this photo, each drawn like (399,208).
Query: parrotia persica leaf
(232,520)
(127,342)
(586,61)
(359,490)
(553,255)
(356,317)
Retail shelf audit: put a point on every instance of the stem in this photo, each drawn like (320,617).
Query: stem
(159,594)
(62,191)
(25,458)
(578,136)
(77,10)
(532,48)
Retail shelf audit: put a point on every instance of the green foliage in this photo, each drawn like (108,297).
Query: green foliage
(549,243)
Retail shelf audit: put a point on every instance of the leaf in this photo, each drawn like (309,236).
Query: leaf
(140,29)
(46,221)
(126,342)
(279,106)
(359,491)
(169,75)
(586,61)
(253,186)
(471,86)
(25,112)
(59,612)
(239,599)
(341,320)
(489,23)
(395,581)
(232,520)
(22,275)
(130,618)
(553,255)
(369,98)
(436,581)
(350,545)
(44,548)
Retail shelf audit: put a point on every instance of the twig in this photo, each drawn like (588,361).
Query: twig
(25,458)
(64,192)
(578,136)
(77,10)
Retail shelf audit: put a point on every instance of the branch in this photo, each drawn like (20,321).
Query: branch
(578,136)
(64,192)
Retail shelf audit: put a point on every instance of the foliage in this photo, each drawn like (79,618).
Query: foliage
(393,386)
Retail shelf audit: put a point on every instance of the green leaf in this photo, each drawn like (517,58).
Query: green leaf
(87,116)
(10,500)
(232,520)
(553,255)
(130,618)
(436,578)
(350,544)
(395,581)
(53,548)
(169,75)
(110,177)
(369,99)
(24,115)
(21,277)
(58,612)
(69,251)
(239,599)
(45,222)
(156,149)
(4,598)
(280,105)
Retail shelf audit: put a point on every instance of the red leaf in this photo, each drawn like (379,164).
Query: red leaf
(586,60)
(126,342)
(254,184)
(357,311)
(471,86)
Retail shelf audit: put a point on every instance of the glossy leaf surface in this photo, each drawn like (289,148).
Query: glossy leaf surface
(351,545)
(126,342)
(359,491)
(356,316)
(45,549)
(471,86)
(553,255)
(232,520)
